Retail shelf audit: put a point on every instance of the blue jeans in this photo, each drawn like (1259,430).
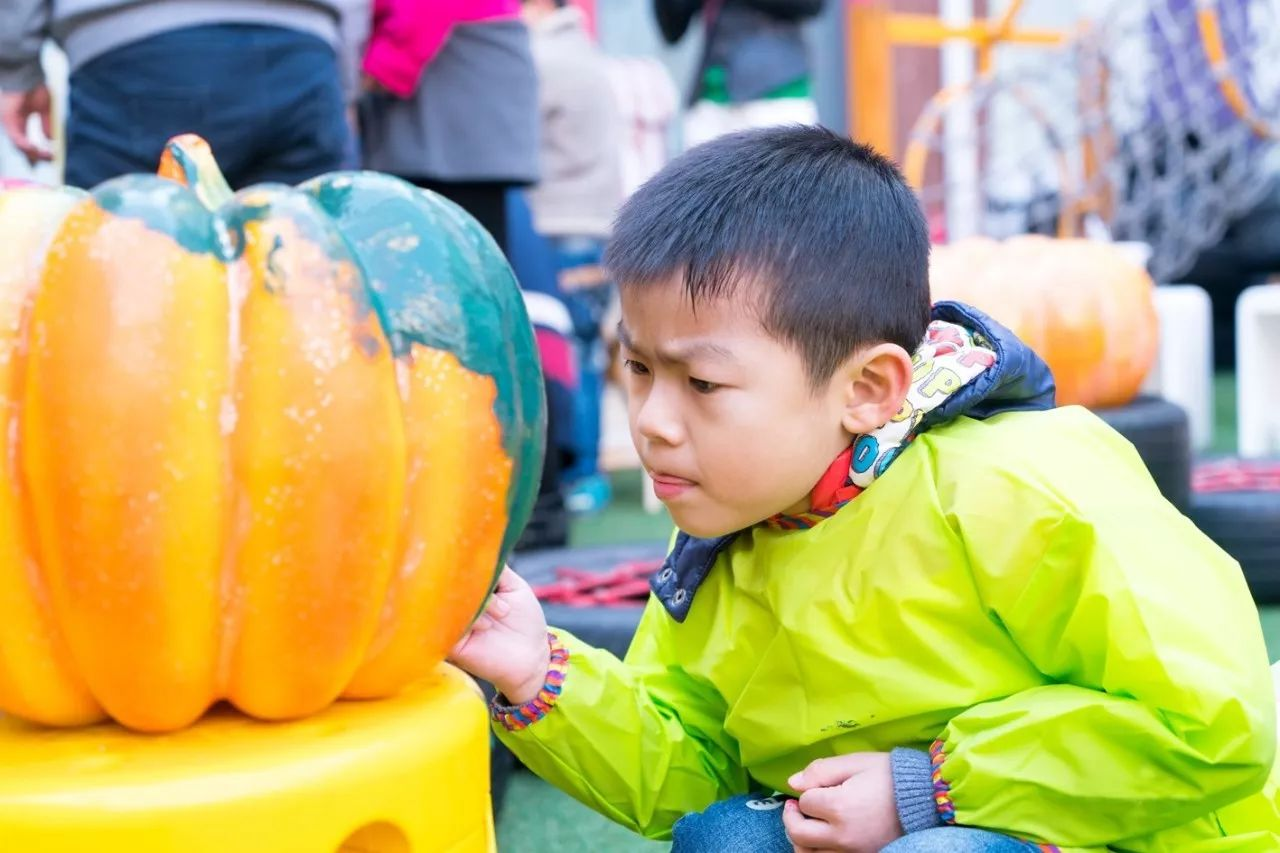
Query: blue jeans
(587,307)
(754,823)
(268,100)
(538,262)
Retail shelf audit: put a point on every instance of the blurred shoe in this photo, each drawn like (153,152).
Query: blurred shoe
(589,495)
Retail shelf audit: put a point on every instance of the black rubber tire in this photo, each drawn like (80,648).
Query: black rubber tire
(608,628)
(1247,526)
(1160,432)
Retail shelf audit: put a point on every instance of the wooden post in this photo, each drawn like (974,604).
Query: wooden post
(870,83)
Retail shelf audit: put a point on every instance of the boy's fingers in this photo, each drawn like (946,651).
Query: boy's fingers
(828,772)
(509,581)
(821,803)
(498,608)
(459,646)
(804,831)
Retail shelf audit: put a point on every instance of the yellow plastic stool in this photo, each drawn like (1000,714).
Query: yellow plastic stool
(403,775)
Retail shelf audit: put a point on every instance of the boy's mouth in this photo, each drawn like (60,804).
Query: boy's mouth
(668,486)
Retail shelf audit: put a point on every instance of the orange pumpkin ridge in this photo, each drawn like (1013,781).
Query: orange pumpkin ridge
(38,676)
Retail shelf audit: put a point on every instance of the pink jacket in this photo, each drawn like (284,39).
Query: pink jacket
(407,34)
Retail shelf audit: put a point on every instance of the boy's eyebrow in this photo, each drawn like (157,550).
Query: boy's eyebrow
(680,352)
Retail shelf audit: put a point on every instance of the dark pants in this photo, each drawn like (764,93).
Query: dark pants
(484,200)
(268,100)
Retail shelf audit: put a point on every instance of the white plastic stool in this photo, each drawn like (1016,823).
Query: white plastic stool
(1183,372)
(1258,370)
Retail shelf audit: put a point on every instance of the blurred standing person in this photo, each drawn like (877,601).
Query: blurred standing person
(259,79)
(454,102)
(573,207)
(754,70)
(357,18)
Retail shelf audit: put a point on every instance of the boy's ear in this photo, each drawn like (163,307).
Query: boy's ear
(876,382)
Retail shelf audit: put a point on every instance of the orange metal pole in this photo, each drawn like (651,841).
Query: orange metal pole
(909,28)
(871,84)
(1216,52)
(996,33)
(1005,24)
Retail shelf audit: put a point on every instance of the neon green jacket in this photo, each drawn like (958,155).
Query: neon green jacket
(1092,663)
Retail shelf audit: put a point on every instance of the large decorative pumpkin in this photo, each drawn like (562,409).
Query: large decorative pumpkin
(268,447)
(1086,307)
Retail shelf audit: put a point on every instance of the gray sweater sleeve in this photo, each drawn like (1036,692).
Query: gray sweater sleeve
(913,790)
(24,25)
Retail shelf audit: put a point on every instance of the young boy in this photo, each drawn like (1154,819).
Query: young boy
(979,628)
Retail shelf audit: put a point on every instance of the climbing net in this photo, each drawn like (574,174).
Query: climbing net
(1157,123)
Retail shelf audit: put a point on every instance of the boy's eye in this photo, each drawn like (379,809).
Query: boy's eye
(635,367)
(702,386)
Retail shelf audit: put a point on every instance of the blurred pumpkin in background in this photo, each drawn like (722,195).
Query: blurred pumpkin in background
(1085,307)
(268,447)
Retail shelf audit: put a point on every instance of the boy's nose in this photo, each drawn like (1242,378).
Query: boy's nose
(657,420)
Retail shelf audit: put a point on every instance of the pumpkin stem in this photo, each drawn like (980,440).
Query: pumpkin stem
(188,159)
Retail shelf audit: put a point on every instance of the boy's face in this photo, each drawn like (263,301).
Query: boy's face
(724,417)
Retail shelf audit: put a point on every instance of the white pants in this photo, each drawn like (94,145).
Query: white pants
(706,119)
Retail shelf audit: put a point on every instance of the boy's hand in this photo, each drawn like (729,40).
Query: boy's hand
(846,804)
(507,645)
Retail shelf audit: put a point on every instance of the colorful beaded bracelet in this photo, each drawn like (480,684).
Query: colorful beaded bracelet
(516,717)
(941,789)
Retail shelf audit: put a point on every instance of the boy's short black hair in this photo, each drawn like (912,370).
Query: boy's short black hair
(826,227)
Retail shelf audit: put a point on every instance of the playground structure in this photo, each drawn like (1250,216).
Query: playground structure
(1150,124)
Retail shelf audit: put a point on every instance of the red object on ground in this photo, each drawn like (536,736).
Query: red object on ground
(1237,475)
(627,585)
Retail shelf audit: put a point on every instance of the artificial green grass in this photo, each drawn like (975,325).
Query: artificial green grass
(624,520)
(538,818)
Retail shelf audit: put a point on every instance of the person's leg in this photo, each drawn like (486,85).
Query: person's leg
(751,822)
(579,265)
(958,839)
(300,129)
(532,256)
